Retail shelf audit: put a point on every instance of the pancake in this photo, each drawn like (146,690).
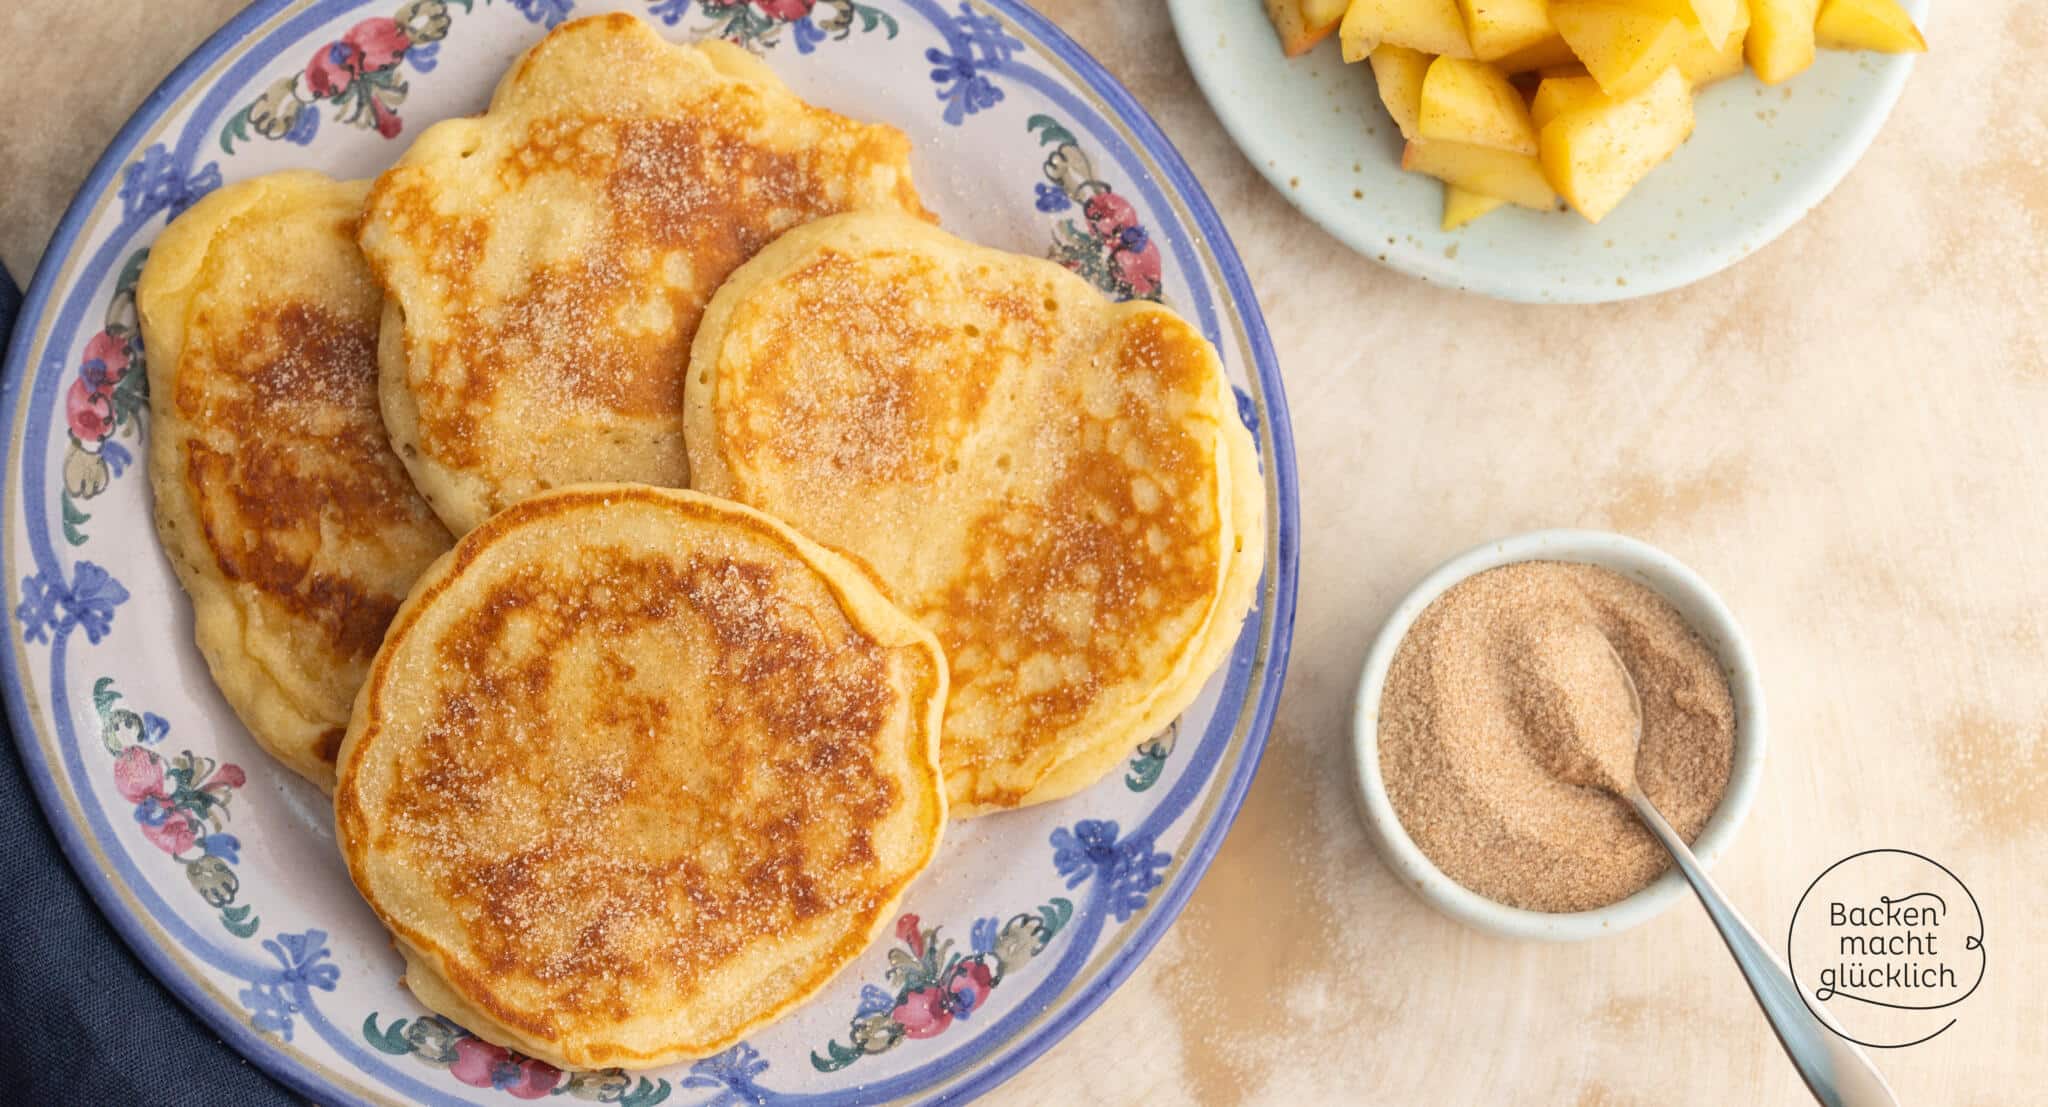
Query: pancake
(637,771)
(1057,485)
(546,263)
(278,499)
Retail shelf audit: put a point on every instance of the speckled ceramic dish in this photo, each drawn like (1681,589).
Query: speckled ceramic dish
(1703,611)
(218,866)
(1759,159)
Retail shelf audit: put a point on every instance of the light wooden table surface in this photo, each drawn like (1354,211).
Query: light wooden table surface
(1847,434)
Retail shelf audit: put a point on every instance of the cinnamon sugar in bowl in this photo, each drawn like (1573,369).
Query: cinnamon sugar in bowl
(1492,874)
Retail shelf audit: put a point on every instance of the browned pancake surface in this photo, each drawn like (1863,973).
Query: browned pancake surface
(279,499)
(627,750)
(1053,483)
(549,260)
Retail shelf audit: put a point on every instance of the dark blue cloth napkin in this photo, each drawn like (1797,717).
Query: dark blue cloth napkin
(81,1021)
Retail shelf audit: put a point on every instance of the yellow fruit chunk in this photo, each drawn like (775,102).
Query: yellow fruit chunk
(1596,154)
(1498,28)
(1322,16)
(1431,26)
(1624,47)
(1400,72)
(1296,38)
(1780,41)
(1715,19)
(1356,39)
(1714,31)
(1469,101)
(1461,206)
(1551,52)
(1718,19)
(1558,95)
(1703,63)
(1879,25)
(1516,178)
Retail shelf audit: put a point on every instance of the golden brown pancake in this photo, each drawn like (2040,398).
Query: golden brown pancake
(278,499)
(547,262)
(637,771)
(1057,485)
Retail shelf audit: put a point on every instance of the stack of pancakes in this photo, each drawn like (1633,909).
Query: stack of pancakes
(649,525)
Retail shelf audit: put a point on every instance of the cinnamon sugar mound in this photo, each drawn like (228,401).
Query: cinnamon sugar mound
(1505,729)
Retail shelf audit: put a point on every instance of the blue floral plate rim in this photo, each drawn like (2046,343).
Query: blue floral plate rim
(1106,967)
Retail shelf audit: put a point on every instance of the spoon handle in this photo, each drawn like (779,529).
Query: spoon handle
(1837,1072)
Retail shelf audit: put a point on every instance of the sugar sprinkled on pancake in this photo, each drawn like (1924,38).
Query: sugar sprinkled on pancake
(637,771)
(547,261)
(278,498)
(1057,485)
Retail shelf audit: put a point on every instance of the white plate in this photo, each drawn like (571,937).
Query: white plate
(219,866)
(1759,159)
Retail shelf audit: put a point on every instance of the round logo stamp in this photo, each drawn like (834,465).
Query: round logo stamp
(1889,943)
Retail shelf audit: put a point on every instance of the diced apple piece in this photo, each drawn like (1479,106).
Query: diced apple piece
(1624,47)
(1516,178)
(1780,40)
(1431,26)
(1552,51)
(1595,155)
(1322,16)
(1498,28)
(1558,95)
(1703,63)
(1879,25)
(1461,206)
(1713,18)
(1296,38)
(1400,72)
(1713,35)
(1356,40)
(1719,18)
(1471,102)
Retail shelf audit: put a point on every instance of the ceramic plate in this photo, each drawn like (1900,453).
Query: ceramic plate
(1759,159)
(219,867)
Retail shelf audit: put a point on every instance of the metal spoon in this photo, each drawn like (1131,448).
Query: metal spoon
(1838,1073)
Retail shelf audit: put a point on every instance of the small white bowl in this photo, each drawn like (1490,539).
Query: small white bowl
(1706,614)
